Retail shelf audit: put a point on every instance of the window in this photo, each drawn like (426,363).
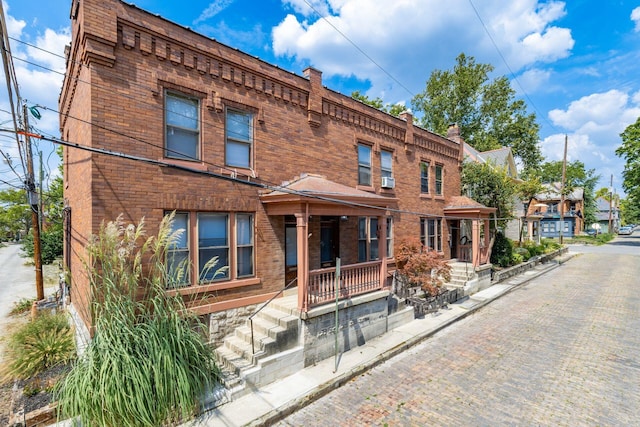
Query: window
(178,266)
(386,163)
(213,246)
(244,245)
(364,164)
(239,137)
(439,180)
(182,133)
(424,177)
(389,237)
(224,249)
(367,239)
(552,207)
(431,233)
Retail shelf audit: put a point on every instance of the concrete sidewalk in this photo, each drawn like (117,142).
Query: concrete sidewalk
(273,402)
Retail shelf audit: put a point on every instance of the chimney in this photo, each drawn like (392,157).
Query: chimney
(453,133)
(314,107)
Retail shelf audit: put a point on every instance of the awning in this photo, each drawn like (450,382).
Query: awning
(319,196)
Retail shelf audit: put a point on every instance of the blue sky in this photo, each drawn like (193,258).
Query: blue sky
(575,63)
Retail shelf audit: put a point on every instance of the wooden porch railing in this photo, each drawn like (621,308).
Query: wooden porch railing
(356,279)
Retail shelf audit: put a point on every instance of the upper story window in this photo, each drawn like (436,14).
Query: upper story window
(239,139)
(439,178)
(424,177)
(364,164)
(386,170)
(182,132)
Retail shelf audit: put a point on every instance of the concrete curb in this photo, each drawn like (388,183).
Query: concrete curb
(320,390)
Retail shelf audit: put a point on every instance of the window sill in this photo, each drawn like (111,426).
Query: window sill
(234,171)
(366,188)
(216,286)
(426,196)
(191,164)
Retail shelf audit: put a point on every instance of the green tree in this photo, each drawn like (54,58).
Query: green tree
(486,111)
(52,233)
(15,213)
(491,186)
(393,109)
(630,151)
(630,210)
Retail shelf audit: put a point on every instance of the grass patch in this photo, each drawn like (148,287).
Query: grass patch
(600,239)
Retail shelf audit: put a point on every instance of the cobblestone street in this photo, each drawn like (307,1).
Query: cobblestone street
(561,350)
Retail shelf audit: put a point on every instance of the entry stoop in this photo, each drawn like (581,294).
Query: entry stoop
(276,351)
(463,276)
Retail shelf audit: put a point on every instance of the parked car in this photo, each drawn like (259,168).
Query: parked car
(625,230)
(591,231)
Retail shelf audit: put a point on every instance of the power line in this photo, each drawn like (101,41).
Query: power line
(258,183)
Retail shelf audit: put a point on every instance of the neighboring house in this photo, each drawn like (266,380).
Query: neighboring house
(606,214)
(502,158)
(270,171)
(547,204)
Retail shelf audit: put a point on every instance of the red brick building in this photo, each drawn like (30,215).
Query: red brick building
(270,171)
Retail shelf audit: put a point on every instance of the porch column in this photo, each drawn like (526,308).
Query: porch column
(530,230)
(487,242)
(302,234)
(382,250)
(475,241)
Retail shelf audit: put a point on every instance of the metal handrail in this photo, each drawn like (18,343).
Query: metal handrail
(253,350)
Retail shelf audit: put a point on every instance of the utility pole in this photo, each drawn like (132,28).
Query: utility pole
(564,175)
(32,196)
(610,204)
(41,204)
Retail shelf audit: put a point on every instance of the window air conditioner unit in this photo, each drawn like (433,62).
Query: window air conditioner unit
(388,182)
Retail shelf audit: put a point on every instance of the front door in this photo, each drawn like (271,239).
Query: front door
(290,250)
(329,241)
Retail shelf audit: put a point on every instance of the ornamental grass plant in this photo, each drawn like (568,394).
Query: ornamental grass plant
(38,345)
(148,363)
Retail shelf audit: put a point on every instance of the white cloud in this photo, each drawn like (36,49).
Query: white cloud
(594,123)
(408,39)
(212,10)
(531,80)
(635,17)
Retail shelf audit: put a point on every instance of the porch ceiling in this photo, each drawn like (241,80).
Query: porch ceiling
(319,196)
(465,207)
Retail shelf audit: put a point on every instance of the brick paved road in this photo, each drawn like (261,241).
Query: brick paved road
(563,350)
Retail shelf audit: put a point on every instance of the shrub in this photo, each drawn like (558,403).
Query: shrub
(147,364)
(421,266)
(502,252)
(51,244)
(523,252)
(517,259)
(44,342)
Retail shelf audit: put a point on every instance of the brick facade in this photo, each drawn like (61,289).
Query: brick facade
(121,63)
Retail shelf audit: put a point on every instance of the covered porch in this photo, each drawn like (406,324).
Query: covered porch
(470,238)
(324,221)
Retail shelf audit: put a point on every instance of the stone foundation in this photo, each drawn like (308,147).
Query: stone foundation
(360,319)
(224,323)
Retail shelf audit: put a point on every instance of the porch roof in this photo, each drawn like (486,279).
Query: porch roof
(321,196)
(466,207)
